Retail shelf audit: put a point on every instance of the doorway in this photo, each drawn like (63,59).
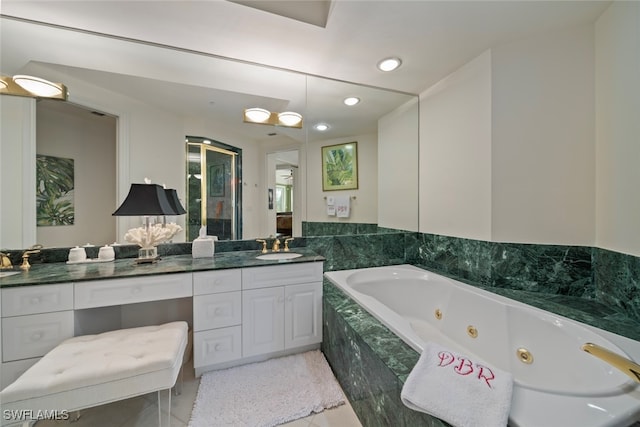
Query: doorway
(213,194)
(284,214)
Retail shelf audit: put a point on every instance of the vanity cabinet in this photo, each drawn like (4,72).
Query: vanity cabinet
(250,314)
(240,315)
(282,308)
(35,319)
(217,316)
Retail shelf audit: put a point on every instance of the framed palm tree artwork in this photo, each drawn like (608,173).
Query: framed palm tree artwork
(340,167)
(54,191)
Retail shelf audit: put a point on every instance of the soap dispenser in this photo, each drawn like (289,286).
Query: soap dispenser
(203,246)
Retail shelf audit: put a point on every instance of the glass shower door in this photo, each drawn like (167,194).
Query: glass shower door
(213,191)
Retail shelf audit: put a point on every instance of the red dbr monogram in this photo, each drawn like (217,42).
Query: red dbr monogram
(464,366)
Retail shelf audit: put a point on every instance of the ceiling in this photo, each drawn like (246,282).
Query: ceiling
(433,38)
(341,39)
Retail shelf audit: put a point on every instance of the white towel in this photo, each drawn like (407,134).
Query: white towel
(343,206)
(458,390)
(331,208)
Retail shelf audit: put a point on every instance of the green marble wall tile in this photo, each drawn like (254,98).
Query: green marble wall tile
(617,280)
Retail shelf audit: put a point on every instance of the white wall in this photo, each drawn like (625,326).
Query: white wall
(617,74)
(507,144)
(90,141)
(455,153)
(398,168)
(543,139)
(17,176)
(364,207)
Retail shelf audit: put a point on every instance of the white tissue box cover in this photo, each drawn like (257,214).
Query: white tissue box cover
(202,248)
(92,370)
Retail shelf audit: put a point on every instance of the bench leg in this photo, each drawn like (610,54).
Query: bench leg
(177,388)
(164,419)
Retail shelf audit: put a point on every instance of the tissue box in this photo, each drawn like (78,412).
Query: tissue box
(202,248)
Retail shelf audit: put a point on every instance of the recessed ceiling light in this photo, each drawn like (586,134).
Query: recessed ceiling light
(321,127)
(389,64)
(352,100)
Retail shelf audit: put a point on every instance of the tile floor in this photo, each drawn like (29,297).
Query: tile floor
(142,411)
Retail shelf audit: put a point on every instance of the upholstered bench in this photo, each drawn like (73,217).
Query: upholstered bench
(92,370)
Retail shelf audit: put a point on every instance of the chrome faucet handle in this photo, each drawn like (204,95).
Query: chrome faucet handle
(264,245)
(286,243)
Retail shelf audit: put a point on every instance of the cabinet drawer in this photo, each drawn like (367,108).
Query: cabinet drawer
(37,299)
(279,275)
(35,335)
(211,282)
(102,293)
(216,346)
(217,310)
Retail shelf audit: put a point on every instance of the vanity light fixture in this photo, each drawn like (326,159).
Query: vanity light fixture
(256,115)
(33,87)
(389,64)
(351,101)
(289,119)
(321,127)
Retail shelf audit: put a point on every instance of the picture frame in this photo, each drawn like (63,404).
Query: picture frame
(340,166)
(216,180)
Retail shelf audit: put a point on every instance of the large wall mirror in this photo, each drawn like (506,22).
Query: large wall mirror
(145,99)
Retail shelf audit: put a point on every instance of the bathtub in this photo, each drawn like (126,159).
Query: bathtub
(556,383)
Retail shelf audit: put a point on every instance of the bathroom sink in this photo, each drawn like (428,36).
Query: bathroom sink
(8,273)
(279,256)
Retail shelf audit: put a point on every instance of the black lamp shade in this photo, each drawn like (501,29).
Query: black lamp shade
(145,199)
(172,196)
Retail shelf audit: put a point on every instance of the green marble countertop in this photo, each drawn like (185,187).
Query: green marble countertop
(60,272)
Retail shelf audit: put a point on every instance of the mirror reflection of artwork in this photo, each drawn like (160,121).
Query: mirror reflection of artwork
(216,180)
(54,191)
(340,167)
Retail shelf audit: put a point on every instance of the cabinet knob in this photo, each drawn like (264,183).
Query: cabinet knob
(35,300)
(218,311)
(37,336)
(136,290)
(217,347)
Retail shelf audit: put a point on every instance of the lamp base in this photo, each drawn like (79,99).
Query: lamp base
(147,255)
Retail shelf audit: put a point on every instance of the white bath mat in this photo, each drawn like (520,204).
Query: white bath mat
(267,393)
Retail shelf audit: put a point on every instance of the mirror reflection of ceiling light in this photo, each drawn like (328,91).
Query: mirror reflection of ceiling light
(261,116)
(257,115)
(289,118)
(350,101)
(389,64)
(321,127)
(33,87)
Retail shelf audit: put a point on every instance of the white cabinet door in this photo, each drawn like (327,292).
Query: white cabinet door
(303,314)
(262,321)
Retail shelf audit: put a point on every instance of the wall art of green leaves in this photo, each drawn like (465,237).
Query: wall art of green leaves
(54,191)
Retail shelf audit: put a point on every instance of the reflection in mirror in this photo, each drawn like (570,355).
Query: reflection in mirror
(158,95)
(385,126)
(213,194)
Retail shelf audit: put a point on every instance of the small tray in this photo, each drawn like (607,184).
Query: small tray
(91,261)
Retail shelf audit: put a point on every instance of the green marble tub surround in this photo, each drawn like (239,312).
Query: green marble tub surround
(46,273)
(370,362)
(359,251)
(617,280)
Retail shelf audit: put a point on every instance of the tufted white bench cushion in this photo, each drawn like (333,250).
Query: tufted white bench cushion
(93,370)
